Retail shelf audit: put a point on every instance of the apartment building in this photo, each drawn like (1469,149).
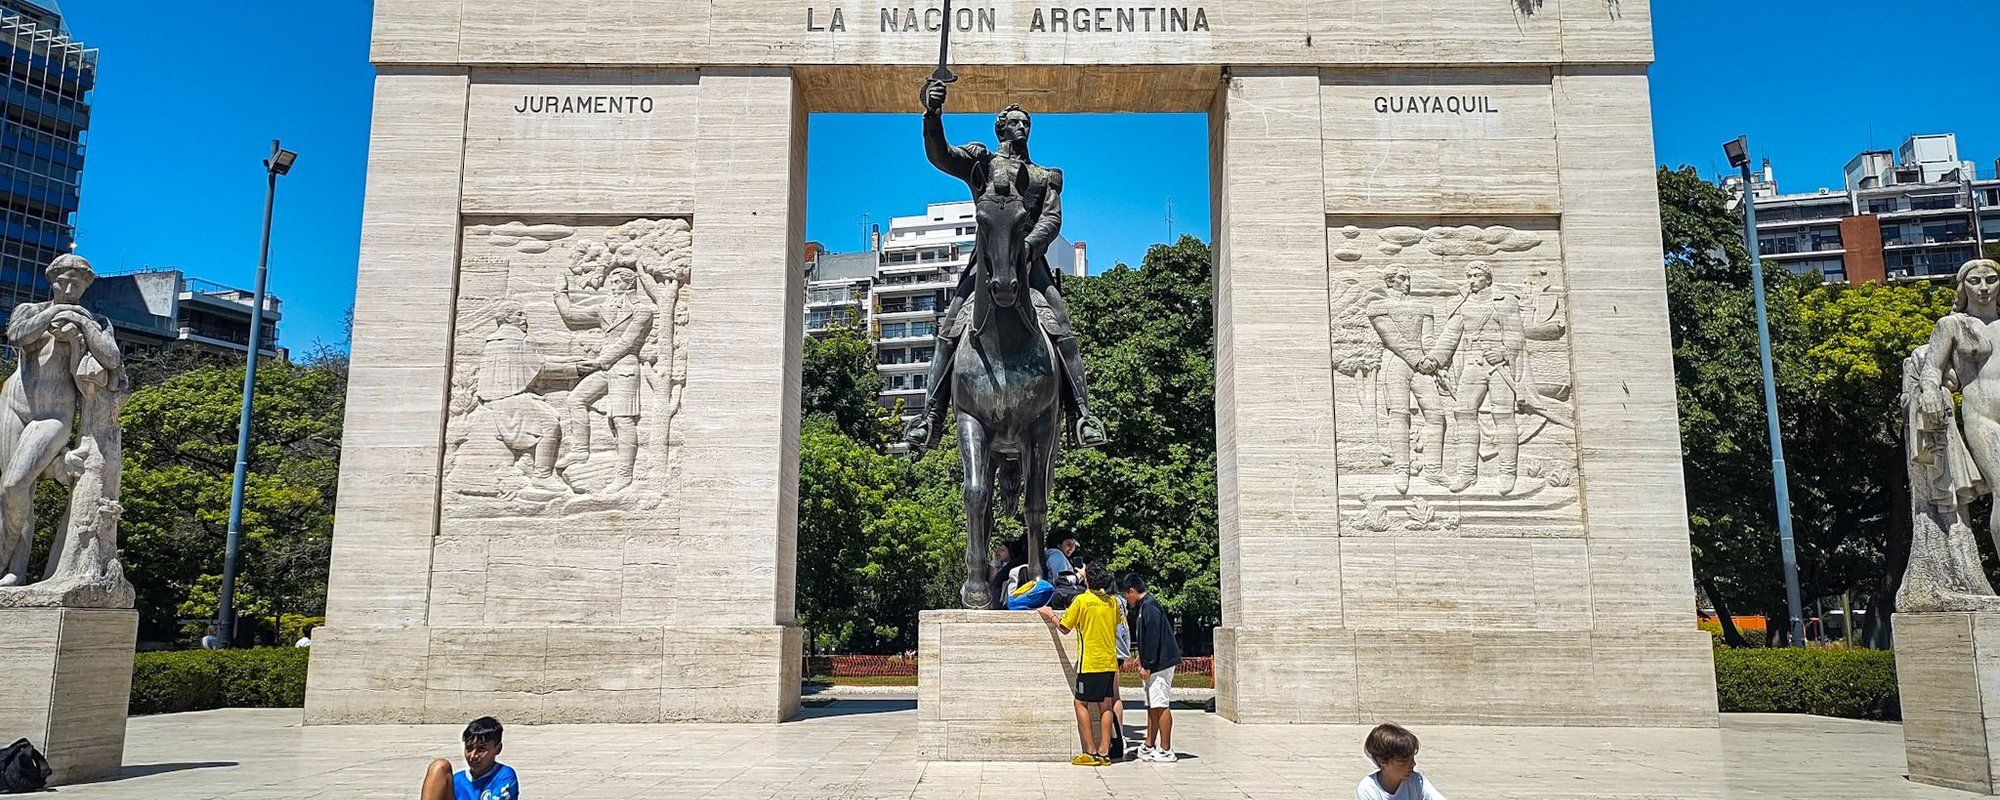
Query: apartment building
(1914,213)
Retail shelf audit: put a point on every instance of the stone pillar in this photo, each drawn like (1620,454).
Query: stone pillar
(993,686)
(458,589)
(67,674)
(1948,673)
(1283,624)
(1521,555)
(370,660)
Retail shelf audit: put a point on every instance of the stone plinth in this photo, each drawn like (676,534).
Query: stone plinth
(540,675)
(993,686)
(1948,671)
(67,678)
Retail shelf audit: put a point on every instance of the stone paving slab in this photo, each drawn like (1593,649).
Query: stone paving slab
(865,749)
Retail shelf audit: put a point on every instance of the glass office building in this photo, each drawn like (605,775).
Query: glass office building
(44,113)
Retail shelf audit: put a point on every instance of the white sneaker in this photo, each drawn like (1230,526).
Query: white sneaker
(1147,753)
(1165,756)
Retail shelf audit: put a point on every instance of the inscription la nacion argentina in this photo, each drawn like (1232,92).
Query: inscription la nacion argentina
(1051,19)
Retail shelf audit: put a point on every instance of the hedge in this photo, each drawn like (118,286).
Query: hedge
(198,680)
(1830,682)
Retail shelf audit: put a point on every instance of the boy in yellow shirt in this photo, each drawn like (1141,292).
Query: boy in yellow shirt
(1093,617)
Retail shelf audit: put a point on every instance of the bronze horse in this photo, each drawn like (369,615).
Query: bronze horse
(1006,390)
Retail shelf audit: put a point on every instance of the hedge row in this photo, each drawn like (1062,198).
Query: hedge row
(198,680)
(1856,684)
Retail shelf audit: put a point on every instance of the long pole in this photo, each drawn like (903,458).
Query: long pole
(1780,486)
(225,617)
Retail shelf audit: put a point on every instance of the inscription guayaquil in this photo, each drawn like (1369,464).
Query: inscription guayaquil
(1078,19)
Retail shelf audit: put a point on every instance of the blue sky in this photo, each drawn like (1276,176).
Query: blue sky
(189,99)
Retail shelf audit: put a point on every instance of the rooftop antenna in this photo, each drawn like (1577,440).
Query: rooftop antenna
(1170,220)
(865,244)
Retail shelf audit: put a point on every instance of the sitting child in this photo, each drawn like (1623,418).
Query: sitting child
(484,777)
(1394,751)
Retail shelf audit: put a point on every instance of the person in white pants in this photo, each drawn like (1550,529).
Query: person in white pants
(1159,654)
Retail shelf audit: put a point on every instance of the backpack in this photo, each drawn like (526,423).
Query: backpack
(22,768)
(1067,590)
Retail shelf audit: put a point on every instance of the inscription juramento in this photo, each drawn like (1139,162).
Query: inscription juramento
(584,104)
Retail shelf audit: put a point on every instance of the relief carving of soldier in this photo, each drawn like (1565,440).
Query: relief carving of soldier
(1484,345)
(997,173)
(612,377)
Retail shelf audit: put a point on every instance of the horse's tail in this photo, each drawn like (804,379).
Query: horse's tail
(1011,477)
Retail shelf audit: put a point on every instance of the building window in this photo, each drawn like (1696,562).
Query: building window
(919,355)
(1933,202)
(1882,206)
(922,328)
(893,330)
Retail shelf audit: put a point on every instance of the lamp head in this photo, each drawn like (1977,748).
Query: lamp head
(1738,150)
(281,159)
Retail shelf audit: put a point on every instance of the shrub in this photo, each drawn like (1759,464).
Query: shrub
(198,680)
(1831,682)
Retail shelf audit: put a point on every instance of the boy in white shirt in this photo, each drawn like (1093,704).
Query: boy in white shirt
(1394,751)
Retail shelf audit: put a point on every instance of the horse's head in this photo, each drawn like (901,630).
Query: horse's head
(1003,223)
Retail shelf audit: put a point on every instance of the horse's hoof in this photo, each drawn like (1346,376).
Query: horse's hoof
(975,594)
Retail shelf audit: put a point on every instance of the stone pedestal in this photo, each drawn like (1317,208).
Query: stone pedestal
(65,682)
(1948,671)
(994,686)
(539,675)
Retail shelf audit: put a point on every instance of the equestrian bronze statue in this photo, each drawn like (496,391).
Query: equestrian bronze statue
(1007,360)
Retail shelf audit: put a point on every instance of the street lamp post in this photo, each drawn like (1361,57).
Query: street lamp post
(1739,157)
(279,163)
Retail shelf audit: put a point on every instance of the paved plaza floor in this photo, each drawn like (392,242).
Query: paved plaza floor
(866,748)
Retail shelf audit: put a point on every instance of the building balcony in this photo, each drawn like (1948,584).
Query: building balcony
(904,367)
(906,339)
(905,314)
(1833,250)
(1927,241)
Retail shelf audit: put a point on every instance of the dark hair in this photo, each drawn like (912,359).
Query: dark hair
(1134,582)
(1096,576)
(1390,741)
(484,729)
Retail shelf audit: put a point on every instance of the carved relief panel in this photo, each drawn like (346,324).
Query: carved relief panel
(567,368)
(1452,378)
(569,360)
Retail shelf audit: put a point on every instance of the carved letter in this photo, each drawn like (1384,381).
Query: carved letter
(809,21)
(1059,18)
(989,19)
(1200,18)
(889,20)
(1178,19)
(1038,23)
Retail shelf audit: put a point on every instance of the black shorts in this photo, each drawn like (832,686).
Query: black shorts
(1096,687)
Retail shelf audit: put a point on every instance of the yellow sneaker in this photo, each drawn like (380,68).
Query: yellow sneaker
(1084,760)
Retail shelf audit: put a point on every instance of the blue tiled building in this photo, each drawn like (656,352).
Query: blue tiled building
(44,114)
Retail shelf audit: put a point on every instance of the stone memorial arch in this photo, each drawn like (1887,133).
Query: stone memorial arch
(1449,467)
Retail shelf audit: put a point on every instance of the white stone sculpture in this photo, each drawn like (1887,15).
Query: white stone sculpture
(1947,464)
(568,368)
(1452,379)
(60,421)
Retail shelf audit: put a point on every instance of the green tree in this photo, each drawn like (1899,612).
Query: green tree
(870,549)
(1147,501)
(1837,352)
(180,440)
(838,382)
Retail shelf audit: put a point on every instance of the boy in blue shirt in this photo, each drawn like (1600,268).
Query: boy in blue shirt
(484,777)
